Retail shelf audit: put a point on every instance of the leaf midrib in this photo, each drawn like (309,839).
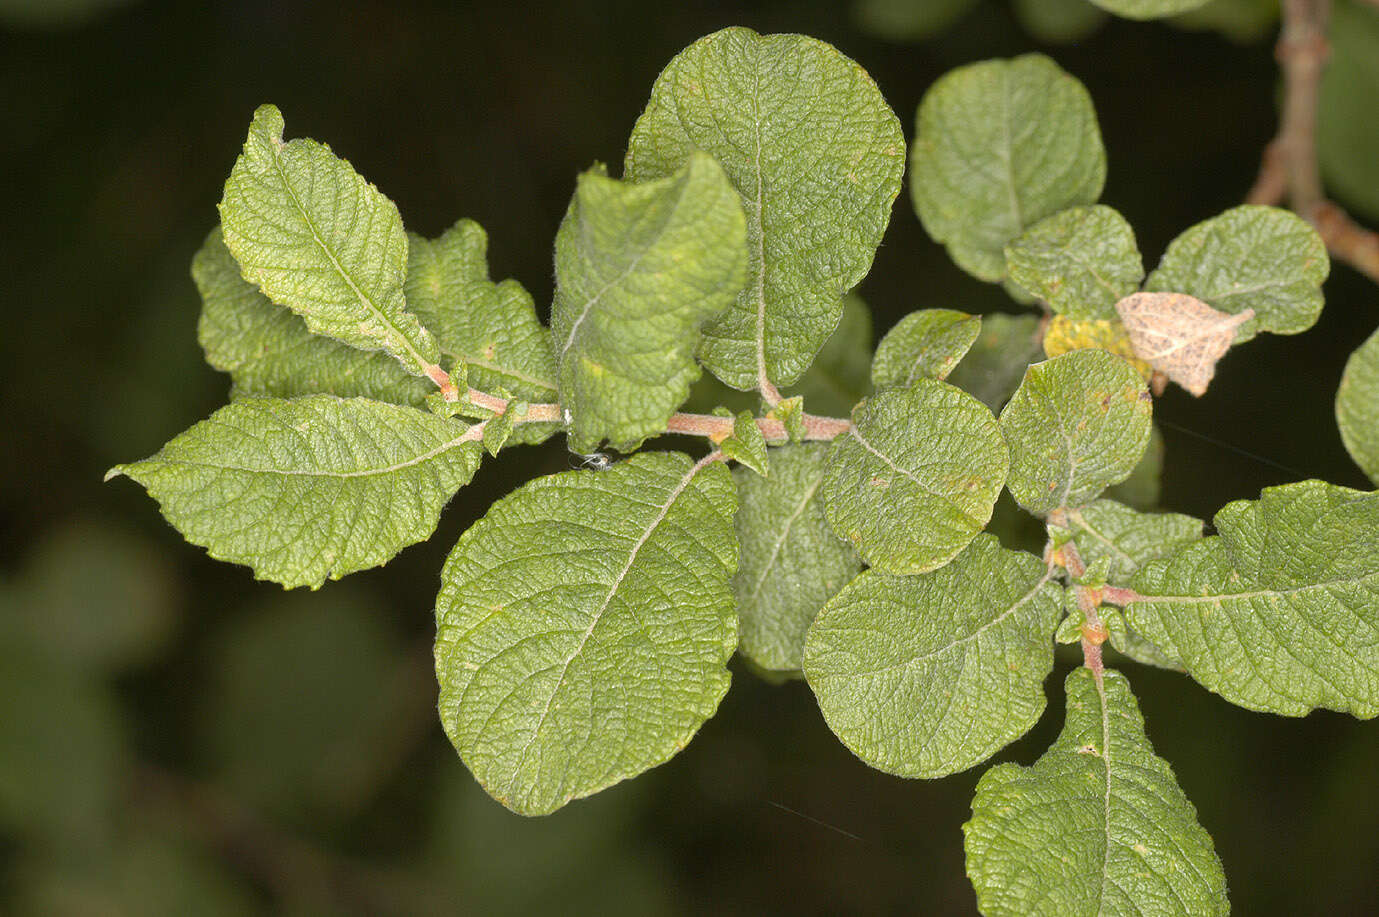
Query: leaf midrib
(363,473)
(278,148)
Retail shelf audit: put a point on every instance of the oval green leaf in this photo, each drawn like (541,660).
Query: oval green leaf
(1250,257)
(999,145)
(923,345)
(584,627)
(310,488)
(1357,407)
(1279,611)
(792,563)
(1098,825)
(1076,425)
(1081,261)
(319,239)
(916,476)
(816,154)
(925,676)
(639,268)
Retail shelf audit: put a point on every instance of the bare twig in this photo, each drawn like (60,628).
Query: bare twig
(711,426)
(1289,169)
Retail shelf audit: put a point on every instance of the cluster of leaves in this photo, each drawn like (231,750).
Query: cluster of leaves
(584,625)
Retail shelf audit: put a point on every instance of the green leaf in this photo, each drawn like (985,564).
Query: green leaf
(996,363)
(915,477)
(747,444)
(790,412)
(1131,644)
(792,563)
(924,676)
(1106,532)
(1058,20)
(907,20)
(840,376)
(1080,261)
(1098,825)
(816,154)
(584,627)
(1347,131)
(1148,9)
(999,145)
(1279,611)
(1078,424)
(923,345)
(1357,407)
(498,429)
(1250,257)
(267,350)
(490,328)
(310,488)
(1128,539)
(315,237)
(639,268)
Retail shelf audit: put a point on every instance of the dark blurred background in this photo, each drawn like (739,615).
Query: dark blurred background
(176,738)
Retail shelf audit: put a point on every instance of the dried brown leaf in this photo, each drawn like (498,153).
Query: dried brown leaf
(1179,335)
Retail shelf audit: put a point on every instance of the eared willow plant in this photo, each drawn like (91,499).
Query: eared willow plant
(585,624)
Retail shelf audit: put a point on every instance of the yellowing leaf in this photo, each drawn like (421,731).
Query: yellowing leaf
(1181,336)
(1064,334)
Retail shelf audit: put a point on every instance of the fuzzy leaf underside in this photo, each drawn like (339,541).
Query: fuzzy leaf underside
(1097,826)
(1080,261)
(491,327)
(639,269)
(310,488)
(927,344)
(1000,145)
(1250,257)
(1278,612)
(267,350)
(915,477)
(816,154)
(315,237)
(1357,407)
(927,675)
(1078,424)
(792,563)
(584,627)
